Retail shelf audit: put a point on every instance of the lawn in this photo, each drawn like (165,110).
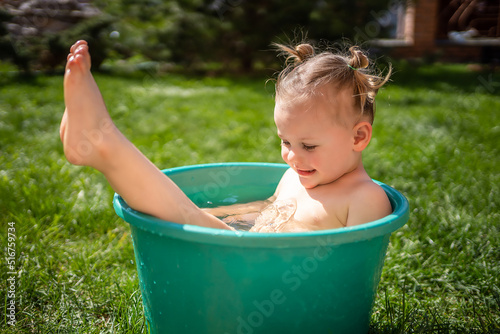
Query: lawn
(436,139)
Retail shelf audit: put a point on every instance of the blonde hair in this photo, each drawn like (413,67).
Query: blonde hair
(307,71)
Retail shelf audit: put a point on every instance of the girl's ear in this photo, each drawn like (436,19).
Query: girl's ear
(362,135)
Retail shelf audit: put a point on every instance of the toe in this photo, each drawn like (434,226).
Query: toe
(73,47)
(77,44)
(79,61)
(82,49)
(82,53)
(74,68)
(70,61)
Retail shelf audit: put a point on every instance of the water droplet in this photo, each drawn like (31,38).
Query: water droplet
(168,282)
(131,262)
(154,282)
(160,313)
(164,291)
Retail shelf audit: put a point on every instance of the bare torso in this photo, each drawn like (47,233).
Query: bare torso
(294,208)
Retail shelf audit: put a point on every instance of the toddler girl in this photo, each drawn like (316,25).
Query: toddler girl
(324,113)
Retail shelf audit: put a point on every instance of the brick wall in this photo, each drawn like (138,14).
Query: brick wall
(421,37)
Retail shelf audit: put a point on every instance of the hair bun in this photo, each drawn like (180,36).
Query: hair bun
(298,54)
(358,58)
(304,51)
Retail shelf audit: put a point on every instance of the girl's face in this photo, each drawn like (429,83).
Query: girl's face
(316,146)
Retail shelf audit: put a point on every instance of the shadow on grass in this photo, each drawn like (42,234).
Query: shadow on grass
(443,77)
(449,77)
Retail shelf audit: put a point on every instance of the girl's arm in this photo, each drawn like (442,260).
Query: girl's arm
(238,209)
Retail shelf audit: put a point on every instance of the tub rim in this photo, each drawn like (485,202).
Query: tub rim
(378,228)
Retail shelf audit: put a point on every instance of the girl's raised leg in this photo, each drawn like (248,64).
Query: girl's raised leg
(90,138)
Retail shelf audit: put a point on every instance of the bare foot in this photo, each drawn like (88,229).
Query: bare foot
(86,126)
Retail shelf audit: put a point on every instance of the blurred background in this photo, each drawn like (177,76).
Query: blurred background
(435,139)
(235,35)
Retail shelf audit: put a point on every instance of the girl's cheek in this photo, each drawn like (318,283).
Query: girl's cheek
(284,153)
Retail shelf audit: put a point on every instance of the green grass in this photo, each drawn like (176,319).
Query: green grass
(436,139)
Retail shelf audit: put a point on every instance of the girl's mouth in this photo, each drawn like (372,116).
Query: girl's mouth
(304,172)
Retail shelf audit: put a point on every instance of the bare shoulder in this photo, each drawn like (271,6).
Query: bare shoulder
(285,181)
(368,202)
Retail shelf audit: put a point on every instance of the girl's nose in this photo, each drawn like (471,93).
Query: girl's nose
(292,156)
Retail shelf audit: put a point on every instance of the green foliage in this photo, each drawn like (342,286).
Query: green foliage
(435,139)
(8,48)
(174,31)
(47,50)
(235,34)
(250,21)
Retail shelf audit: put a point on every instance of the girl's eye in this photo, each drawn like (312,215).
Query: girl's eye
(309,147)
(285,143)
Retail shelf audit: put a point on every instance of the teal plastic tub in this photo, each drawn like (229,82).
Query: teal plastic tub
(201,280)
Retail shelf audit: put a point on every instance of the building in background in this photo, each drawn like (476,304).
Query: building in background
(456,30)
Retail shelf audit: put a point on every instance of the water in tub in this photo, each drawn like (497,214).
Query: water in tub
(273,218)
